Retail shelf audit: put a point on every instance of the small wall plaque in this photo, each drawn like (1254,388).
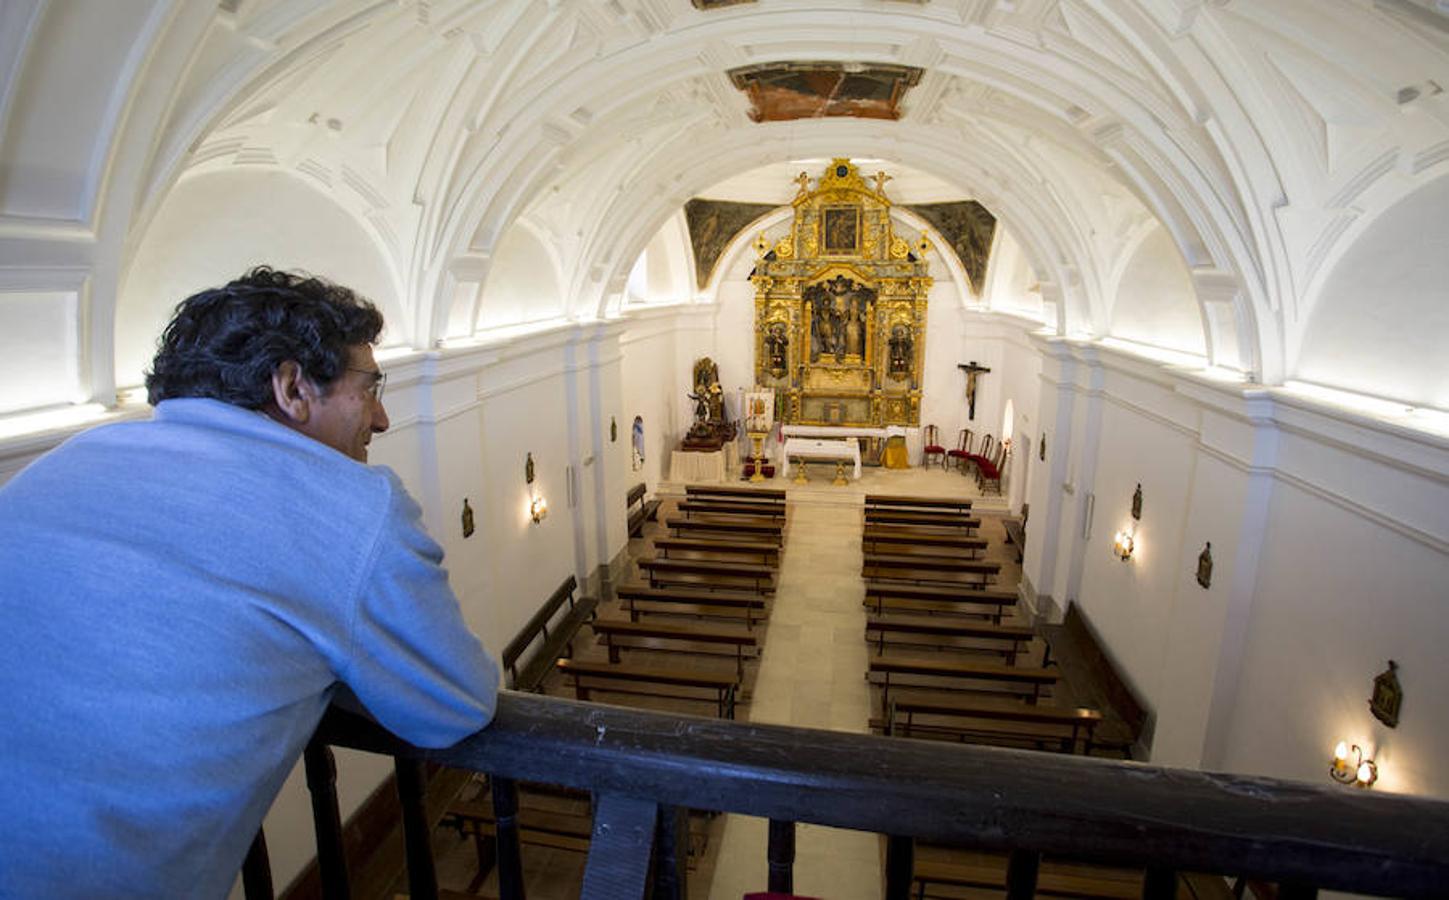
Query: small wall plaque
(1041,449)
(528,469)
(467,519)
(1205,566)
(1137,502)
(613,430)
(1388,696)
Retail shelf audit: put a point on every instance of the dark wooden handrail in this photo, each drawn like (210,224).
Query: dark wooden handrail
(1297,834)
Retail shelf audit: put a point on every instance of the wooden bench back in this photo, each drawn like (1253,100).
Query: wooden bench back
(1076,646)
(636,493)
(552,637)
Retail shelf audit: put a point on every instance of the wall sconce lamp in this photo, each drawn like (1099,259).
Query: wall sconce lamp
(537,506)
(1122,545)
(1349,766)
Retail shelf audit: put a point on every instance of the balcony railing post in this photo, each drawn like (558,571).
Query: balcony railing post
(671,854)
(411,790)
(1159,884)
(781,855)
(900,866)
(257,870)
(1022,867)
(510,859)
(327,820)
(620,848)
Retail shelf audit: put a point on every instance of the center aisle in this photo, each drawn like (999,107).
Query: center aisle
(811,674)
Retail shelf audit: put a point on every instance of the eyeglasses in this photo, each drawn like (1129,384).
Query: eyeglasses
(379,381)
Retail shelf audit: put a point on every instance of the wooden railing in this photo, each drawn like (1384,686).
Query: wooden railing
(646,769)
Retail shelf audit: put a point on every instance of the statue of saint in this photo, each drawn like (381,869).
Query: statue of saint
(777,345)
(900,351)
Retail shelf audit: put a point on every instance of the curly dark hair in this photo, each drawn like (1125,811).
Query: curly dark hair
(226,342)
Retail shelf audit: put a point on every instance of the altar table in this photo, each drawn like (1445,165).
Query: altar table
(815,448)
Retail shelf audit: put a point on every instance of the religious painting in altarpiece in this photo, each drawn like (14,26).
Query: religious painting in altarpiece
(840,306)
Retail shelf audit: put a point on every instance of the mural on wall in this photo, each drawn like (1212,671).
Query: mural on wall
(712,225)
(967,227)
(779,92)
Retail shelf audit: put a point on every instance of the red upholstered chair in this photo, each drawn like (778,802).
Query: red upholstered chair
(981,456)
(933,447)
(962,454)
(988,472)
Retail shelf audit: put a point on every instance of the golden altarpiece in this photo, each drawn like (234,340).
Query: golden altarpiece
(840,307)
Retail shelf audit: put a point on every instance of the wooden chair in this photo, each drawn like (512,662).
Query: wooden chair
(962,454)
(988,472)
(933,447)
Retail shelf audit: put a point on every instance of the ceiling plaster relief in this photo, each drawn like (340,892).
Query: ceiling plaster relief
(1185,146)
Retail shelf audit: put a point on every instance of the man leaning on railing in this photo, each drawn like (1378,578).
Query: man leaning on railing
(181,598)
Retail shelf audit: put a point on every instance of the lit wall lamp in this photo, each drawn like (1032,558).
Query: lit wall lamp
(1349,766)
(1122,545)
(537,506)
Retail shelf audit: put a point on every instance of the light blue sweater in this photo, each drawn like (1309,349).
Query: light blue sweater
(178,600)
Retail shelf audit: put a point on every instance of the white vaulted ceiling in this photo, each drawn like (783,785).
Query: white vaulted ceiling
(1137,151)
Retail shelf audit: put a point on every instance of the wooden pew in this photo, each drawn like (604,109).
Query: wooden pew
(1094,677)
(645,511)
(726,491)
(758,529)
(919,567)
(630,679)
(953,521)
(690,508)
(551,637)
(1016,531)
(1016,638)
(681,571)
(953,595)
(1048,883)
(767,552)
(884,501)
(610,630)
(684,601)
(902,540)
(947,598)
(946,668)
(1038,726)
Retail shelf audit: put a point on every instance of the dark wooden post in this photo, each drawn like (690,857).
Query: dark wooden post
(257,870)
(1297,892)
(327,820)
(411,791)
(781,855)
(900,866)
(619,849)
(1159,884)
(1022,867)
(510,858)
(671,854)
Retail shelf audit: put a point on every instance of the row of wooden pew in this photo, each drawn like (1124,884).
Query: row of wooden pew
(951,660)
(717,565)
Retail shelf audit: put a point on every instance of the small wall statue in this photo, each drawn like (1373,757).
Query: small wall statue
(901,347)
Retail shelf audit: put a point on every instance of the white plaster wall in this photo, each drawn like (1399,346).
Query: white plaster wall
(1154,302)
(1381,324)
(651,379)
(522,283)
(1352,575)
(214,227)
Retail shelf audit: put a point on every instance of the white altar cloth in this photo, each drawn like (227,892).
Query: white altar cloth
(914,443)
(814,448)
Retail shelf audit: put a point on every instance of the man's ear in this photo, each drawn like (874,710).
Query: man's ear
(292,393)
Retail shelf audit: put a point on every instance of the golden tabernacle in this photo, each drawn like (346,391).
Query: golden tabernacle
(840,307)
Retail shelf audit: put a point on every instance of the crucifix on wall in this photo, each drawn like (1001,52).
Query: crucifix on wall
(972,371)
